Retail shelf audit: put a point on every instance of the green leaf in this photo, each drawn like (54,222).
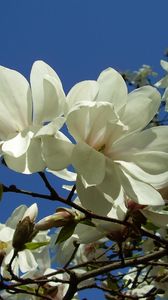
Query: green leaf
(32,289)
(34,245)
(151,226)
(28,288)
(66,232)
(1,191)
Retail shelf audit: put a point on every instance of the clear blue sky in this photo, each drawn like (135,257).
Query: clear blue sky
(78,38)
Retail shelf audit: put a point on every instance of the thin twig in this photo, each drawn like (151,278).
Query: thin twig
(69,198)
(48,185)
(73,255)
(128,263)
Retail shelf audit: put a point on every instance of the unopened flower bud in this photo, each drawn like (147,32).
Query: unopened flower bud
(31,212)
(59,219)
(25,228)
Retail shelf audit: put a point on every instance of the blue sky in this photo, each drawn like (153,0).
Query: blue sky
(78,38)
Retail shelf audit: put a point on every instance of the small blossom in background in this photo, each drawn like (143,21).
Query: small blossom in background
(163,83)
(25,259)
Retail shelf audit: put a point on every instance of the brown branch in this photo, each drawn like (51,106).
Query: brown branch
(56,197)
(71,194)
(128,263)
(154,237)
(73,255)
(48,185)
(72,286)
(90,215)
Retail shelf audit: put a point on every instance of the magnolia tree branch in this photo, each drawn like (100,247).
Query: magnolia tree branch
(88,214)
(128,263)
(99,269)
(144,260)
(48,185)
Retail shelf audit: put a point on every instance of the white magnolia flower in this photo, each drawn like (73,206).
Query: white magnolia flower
(111,152)
(163,83)
(92,251)
(108,156)
(24,111)
(143,287)
(26,260)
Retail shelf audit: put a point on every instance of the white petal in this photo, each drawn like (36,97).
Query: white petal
(111,183)
(83,91)
(162,83)
(112,88)
(117,212)
(156,180)
(18,145)
(30,162)
(57,152)
(39,71)
(16,216)
(15,102)
(152,139)
(89,163)
(64,174)
(39,257)
(165,98)
(93,199)
(87,234)
(26,261)
(140,192)
(65,250)
(152,162)
(6,234)
(164,64)
(87,123)
(51,128)
(31,212)
(142,105)
(157,216)
(54,99)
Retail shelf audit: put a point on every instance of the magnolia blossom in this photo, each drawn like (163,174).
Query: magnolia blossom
(143,287)
(24,111)
(26,260)
(163,83)
(111,151)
